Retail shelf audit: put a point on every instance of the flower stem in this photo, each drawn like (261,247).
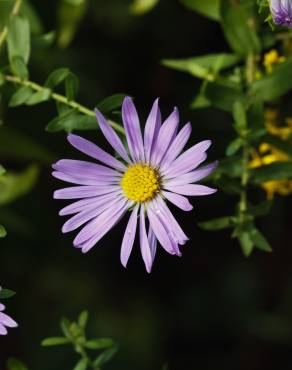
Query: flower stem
(61,98)
(15,11)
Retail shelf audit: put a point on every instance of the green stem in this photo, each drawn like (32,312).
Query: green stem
(85,356)
(15,11)
(61,98)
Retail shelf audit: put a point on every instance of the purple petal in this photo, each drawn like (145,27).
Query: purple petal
(3,330)
(101,180)
(176,146)
(188,161)
(152,242)
(178,200)
(86,203)
(144,242)
(152,127)
(2,307)
(129,237)
(7,320)
(133,130)
(166,134)
(91,170)
(193,176)
(94,151)
(79,192)
(111,136)
(193,189)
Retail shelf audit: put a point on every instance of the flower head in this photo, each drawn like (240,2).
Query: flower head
(5,321)
(155,170)
(282,12)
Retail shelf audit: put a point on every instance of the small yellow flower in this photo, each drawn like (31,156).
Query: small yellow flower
(271,59)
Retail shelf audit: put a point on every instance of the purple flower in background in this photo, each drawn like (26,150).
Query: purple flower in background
(5,321)
(282,12)
(155,170)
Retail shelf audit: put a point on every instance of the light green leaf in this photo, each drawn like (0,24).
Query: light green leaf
(71,86)
(100,343)
(208,8)
(43,41)
(82,319)
(246,242)
(6,293)
(65,327)
(72,121)
(20,96)
(56,77)
(140,7)
(234,146)
(81,365)
(218,223)
(106,356)
(273,171)
(13,364)
(200,102)
(39,97)
(111,103)
(259,240)
(239,116)
(29,12)
(19,67)
(205,67)
(18,38)
(2,170)
(239,27)
(55,341)
(223,95)
(3,233)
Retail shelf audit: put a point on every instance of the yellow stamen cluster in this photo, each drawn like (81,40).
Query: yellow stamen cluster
(140,183)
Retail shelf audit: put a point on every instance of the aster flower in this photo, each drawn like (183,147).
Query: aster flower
(282,12)
(5,321)
(155,170)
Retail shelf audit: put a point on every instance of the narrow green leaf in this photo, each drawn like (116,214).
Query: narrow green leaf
(259,240)
(223,96)
(140,7)
(260,209)
(111,103)
(65,327)
(3,233)
(2,170)
(239,116)
(273,171)
(72,121)
(44,41)
(56,77)
(81,364)
(13,364)
(234,146)
(99,343)
(18,38)
(20,96)
(246,243)
(284,146)
(239,26)
(208,8)
(82,319)
(6,293)
(71,86)
(106,356)
(218,223)
(39,97)
(55,341)
(18,67)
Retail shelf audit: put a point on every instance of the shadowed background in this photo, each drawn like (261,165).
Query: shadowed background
(210,309)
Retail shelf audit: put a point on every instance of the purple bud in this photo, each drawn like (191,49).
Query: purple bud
(282,12)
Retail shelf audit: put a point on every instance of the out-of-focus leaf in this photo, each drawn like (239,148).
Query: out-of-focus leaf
(230,167)
(65,327)
(139,7)
(273,85)
(55,341)
(29,12)
(14,185)
(223,96)
(260,209)
(99,343)
(239,116)
(284,146)
(6,293)
(39,97)
(228,184)
(255,114)
(234,146)
(259,240)
(111,103)
(18,38)
(106,356)
(72,121)
(71,86)
(2,170)
(43,41)
(56,77)
(15,145)
(3,233)
(208,8)
(239,27)
(70,14)
(273,171)
(81,364)
(2,79)
(204,67)
(13,364)
(246,242)
(82,319)
(5,11)
(18,67)
(200,101)
(218,223)
(20,96)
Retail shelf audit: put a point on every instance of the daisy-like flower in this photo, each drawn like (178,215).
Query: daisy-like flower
(5,321)
(154,171)
(282,12)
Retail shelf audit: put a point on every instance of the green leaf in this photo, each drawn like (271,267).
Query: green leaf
(71,86)
(72,121)
(6,293)
(231,167)
(55,341)
(111,103)
(223,95)
(43,41)
(39,97)
(205,67)
(3,233)
(200,102)
(106,356)
(2,170)
(18,67)
(18,38)
(239,27)
(13,364)
(14,185)
(82,319)
(28,11)
(234,146)
(273,171)
(239,116)
(65,327)
(20,96)
(246,242)
(140,7)
(260,209)
(100,343)
(274,85)
(259,240)
(81,364)
(56,77)
(228,184)
(218,223)
(284,146)
(208,8)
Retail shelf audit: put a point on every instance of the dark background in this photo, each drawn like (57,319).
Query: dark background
(212,308)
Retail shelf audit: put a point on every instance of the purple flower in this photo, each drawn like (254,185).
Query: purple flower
(5,321)
(282,12)
(155,170)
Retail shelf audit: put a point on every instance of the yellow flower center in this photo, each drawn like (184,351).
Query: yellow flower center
(140,183)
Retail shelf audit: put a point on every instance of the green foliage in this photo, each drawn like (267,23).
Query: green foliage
(13,364)
(18,39)
(140,7)
(6,293)
(208,8)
